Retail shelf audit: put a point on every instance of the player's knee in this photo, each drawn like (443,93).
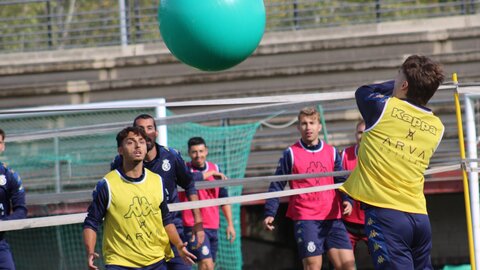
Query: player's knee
(206,264)
(312,263)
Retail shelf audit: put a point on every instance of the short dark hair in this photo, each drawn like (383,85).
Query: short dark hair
(424,76)
(196,141)
(2,133)
(144,116)
(124,133)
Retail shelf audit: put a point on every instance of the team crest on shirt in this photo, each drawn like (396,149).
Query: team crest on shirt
(166,165)
(311,247)
(205,250)
(3,180)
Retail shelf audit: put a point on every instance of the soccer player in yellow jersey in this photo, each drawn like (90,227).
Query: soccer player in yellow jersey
(401,136)
(130,202)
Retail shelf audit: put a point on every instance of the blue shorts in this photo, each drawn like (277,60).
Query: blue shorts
(315,237)
(398,240)
(6,259)
(161,265)
(209,247)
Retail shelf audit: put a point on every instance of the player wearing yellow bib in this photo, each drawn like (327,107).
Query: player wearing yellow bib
(130,202)
(401,136)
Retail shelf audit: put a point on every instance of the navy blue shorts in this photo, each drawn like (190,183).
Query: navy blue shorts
(398,240)
(161,265)
(6,259)
(315,237)
(209,247)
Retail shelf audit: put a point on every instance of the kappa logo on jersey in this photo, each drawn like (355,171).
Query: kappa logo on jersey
(311,247)
(3,180)
(414,121)
(140,207)
(166,165)
(316,167)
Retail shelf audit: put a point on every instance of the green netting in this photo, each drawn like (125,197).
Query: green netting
(66,163)
(229,147)
(78,162)
(457,267)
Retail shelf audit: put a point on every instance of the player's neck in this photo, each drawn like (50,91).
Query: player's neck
(199,166)
(133,169)
(309,143)
(151,154)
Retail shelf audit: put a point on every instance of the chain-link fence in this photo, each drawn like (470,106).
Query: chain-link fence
(35,25)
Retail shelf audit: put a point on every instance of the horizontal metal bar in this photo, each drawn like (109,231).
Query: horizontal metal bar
(22,2)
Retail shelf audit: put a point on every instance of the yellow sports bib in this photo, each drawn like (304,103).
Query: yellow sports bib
(393,157)
(134,235)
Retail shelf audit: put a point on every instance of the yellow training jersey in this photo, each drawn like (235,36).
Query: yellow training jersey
(134,235)
(393,157)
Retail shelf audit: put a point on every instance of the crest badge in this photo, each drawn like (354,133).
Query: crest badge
(3,180)
(166,165)
(311,247)
(205,250)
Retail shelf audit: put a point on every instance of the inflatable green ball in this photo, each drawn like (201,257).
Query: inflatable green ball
(211,35)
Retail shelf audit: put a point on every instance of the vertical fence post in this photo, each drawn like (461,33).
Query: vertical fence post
(378,11)
(56,151)
(138,29)
(295,14)
(463,7)
(123,23)
(161,111)
(322,121)
(471,146)
(49,24)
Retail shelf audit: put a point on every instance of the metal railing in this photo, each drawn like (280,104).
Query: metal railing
(36,25)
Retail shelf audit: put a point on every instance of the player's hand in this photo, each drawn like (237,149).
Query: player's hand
(185,254)
(231,234)
(347,208)
(219,176)
(268,223)
(199,234)
(91,261)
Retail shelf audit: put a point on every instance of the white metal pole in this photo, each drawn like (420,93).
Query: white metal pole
(58,178)
(473,175)
(161,111)
(123,23)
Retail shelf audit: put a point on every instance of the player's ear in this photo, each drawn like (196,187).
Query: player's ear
(404,86)
(120,150)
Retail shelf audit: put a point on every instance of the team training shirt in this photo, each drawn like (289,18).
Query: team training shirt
(300,159)
(210,215)
(134,213)
(12,196)
(394,152)
(170,165)
(349,162)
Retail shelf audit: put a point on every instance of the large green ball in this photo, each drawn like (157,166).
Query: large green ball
(211,35)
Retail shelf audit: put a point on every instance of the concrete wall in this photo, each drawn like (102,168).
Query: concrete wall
(287,62)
